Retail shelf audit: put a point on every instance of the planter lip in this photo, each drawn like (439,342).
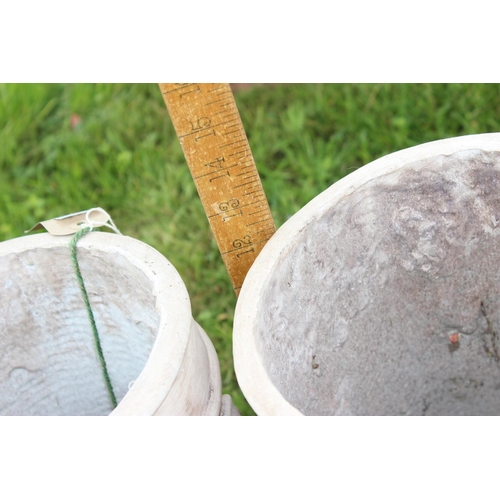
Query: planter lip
(157,377)
(250,371)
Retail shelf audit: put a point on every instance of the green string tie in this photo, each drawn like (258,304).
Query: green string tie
(79,277)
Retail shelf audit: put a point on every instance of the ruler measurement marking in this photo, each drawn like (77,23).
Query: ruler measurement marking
(244,150)
(241,157)
(243,173)
(218,100)
(225,119)
(235,165)
(218,88)
(228,112)
(237,149)
(244,156)
(233,143)
(178,88)
(189,92)
(260,221)
(264,203)
(225,111)
(203,128)
(256,198)
(245,178)
(206,135)
(239,207)
(243,247)
(229,121)
(244,184)
(270,223)
(257,212)
(248,194)
(251,203)
(236,133)
(269,232)
(220,93)
(224,213)
(252,184)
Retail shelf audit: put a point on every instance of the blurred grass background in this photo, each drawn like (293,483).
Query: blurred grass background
(68,147)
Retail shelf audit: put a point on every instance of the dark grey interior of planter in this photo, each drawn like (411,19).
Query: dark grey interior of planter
(389,303)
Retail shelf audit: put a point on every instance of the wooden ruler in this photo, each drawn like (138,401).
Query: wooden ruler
(209,128)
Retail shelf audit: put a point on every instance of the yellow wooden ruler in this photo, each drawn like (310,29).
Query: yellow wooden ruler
(209,128)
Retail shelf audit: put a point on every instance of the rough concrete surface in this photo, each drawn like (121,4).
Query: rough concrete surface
(389,304)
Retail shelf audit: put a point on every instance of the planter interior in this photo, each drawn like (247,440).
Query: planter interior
(383,296)
(48,359)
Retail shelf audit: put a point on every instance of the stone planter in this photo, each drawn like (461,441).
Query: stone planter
(382,295)
(159,359)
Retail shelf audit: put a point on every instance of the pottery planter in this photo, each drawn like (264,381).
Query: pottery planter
(382,295)
(159,359)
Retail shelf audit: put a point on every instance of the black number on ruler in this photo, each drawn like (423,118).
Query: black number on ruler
(183,86)
(203,122)
(217,163)
(219,176)
(190,91)
(230,205)
(243,243)
(247,240)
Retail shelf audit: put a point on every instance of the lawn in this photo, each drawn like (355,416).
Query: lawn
(68,147)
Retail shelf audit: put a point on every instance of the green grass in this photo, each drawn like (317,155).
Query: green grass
(124,156)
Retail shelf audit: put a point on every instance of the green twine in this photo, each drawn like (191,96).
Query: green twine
(72,247)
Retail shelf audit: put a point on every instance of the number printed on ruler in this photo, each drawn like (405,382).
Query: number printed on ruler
(208,124)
